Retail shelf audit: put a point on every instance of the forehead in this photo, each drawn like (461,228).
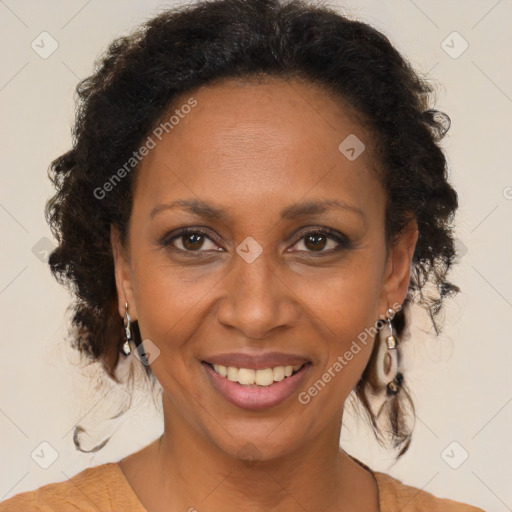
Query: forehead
(246,138)
(275,111)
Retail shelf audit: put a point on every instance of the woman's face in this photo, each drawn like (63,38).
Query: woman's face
(284,263)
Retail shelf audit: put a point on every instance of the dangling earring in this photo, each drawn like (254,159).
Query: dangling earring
(126,349)
(394,386)
(386,367)
(390,340)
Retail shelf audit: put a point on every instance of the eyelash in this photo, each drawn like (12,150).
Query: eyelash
(342,240)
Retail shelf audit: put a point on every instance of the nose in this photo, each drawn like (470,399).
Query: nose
(256,300)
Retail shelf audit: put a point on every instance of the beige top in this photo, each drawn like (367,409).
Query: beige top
(104,488)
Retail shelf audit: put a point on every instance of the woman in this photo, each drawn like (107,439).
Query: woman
(254,196)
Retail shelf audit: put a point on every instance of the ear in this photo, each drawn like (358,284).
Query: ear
(397,273)
(123,275)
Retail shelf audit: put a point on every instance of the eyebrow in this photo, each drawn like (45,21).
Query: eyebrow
(210,211)
(194,206)
(316,207)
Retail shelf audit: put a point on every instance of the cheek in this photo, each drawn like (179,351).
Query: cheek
(170,299)
(345,309)
(170,305)
(174,310)
(346,298)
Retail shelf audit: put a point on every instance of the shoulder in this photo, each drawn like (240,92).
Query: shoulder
(394,495)
(99,488)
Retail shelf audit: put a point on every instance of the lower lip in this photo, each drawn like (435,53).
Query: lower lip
(255,397)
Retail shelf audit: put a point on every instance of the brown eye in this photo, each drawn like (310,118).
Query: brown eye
(321,241)
(315,242)
(190,240)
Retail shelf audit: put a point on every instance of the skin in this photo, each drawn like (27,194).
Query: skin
(253,150)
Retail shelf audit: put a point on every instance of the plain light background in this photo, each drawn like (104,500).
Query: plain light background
(461,382)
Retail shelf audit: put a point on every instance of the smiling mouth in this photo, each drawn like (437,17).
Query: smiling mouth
(262,377)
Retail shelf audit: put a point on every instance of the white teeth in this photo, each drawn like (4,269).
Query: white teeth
(263,377)
(278,373)
(221,370)
(232,374)
(246,376)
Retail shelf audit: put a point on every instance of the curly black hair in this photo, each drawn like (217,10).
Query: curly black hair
(141,77)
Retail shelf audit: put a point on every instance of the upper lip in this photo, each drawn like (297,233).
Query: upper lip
(256,361)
